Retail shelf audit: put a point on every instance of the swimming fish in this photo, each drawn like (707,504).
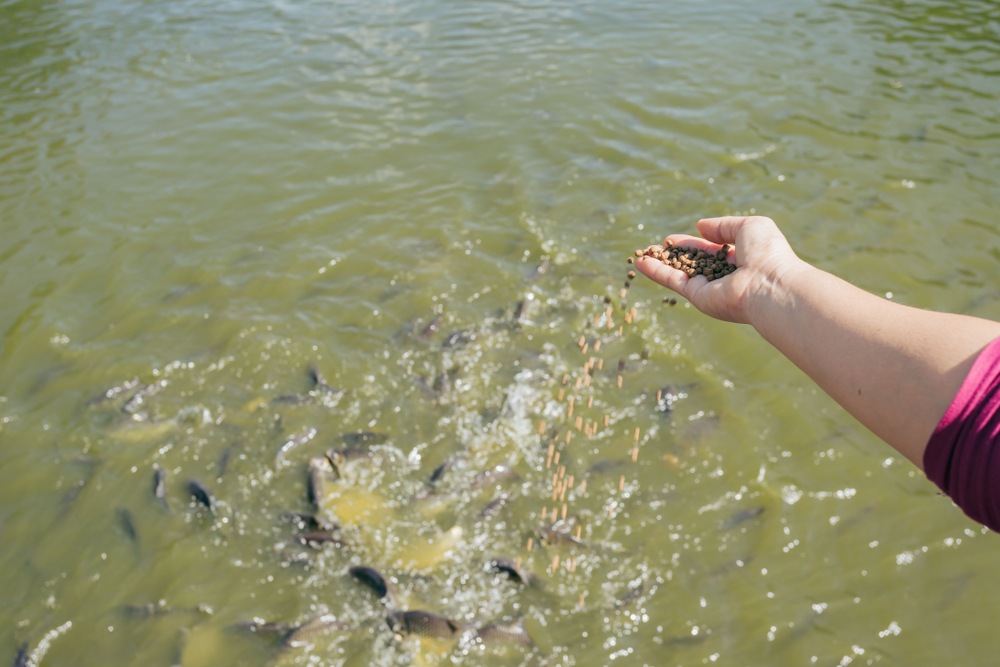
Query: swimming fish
(364,438)
(127,522)
(505,633)
(432,327)
(510,567)
(373,579)
(440,471)
(312,629)
(320,381)
(495,505)
(551,537)
(741,517)
(495,475)
(293,441)
(341,458)
(160,485)
(425,624)
(201,493)
(21,659)
(321,476)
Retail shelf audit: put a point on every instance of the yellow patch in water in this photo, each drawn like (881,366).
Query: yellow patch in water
(353,506)
(254,405)
(428,554)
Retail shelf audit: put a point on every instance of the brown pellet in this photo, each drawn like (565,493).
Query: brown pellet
(600,363)
(572,565)
(565,378)
(581,594)
(562,472)
(633,313)
(569,434)
(628,318)
(579,423)
(586,346)
(597,346)
(545,513)
(562,394)
(630,260)
(569,481)
(578,529)
(619,332)
(607,418)
(583,487)
(555,563)
(611,324)
(555,478)
(531,541)
(609,311)
(581,341)
(586,381)
(555,494)
(569,411)
(590,403)
(552,448)
(635,454)
(621,483)
(517,563)
(622,294)
(563,513)
(631,275)
(548,462)
(619,381)
(638,253)
(555,459)
(541,428)
(636,439)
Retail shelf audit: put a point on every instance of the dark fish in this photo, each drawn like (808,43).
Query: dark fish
(503,633)
(318,379)
(364,438)
(495,505)
(293,441)
(114,392)
(495,475)
(432,328)
(526,309)
(312,629)
(669,395)
(621,364)
(73,492)
(227,454)
(311,521)
(458,339)
(540,271)
(160,484)
(321,473)
(21,659)
(631,596)
(127,522)
(317,539)
(645,353)
(557,538)
(373,579)
(201,493)
(425,624)
(265,629)
(510,567)
(605,465)
(293,399)
(741,517)
(441,470)
(135,404)
(341,458)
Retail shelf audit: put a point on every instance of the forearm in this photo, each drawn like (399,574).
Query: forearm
(894,368)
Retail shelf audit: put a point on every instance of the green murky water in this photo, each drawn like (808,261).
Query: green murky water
(210,198)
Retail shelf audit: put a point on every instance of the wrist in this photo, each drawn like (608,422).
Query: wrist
(775,290)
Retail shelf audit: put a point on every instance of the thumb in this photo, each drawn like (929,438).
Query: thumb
(722,230)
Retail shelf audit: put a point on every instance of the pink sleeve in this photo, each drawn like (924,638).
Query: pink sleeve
(963,454)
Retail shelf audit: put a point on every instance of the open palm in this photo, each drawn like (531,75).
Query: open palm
(762,255)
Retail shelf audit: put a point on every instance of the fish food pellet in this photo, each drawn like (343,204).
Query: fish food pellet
(691,261)
(631,275)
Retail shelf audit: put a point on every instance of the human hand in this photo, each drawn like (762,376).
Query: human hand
(762,256)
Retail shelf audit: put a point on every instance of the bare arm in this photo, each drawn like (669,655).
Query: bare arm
(894,368)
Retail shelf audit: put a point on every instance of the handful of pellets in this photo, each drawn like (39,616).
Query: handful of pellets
(690,260)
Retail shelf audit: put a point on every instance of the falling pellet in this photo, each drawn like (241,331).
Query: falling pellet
(633,313)
(607,418)
(572,565)
(565,378)
(555,493)
(619,381)
(636,438)
(545,513)
(552,449)
(621,483)
(590,403)
(635,454)
(556,459)
(579,381)
(583,487)
(541,428)
(623,293)
(531,541)
(565,509)
(581,342)
(569,481)
(555,563)
(659,395)
(517,563)
(586,381)
(597,346)
(578,529)
(600,364)
(620,329)
(611,324)
(581,600)
(569,435)
(586,346)
(562,394)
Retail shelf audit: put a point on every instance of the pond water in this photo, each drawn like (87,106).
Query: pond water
(212,198)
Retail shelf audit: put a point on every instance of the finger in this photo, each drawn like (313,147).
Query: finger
(722,230)
(663,274)
(687,241)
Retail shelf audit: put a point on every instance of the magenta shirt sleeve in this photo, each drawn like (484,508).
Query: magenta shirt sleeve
(963,454)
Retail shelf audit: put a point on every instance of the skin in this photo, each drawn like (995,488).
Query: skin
(896,369)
